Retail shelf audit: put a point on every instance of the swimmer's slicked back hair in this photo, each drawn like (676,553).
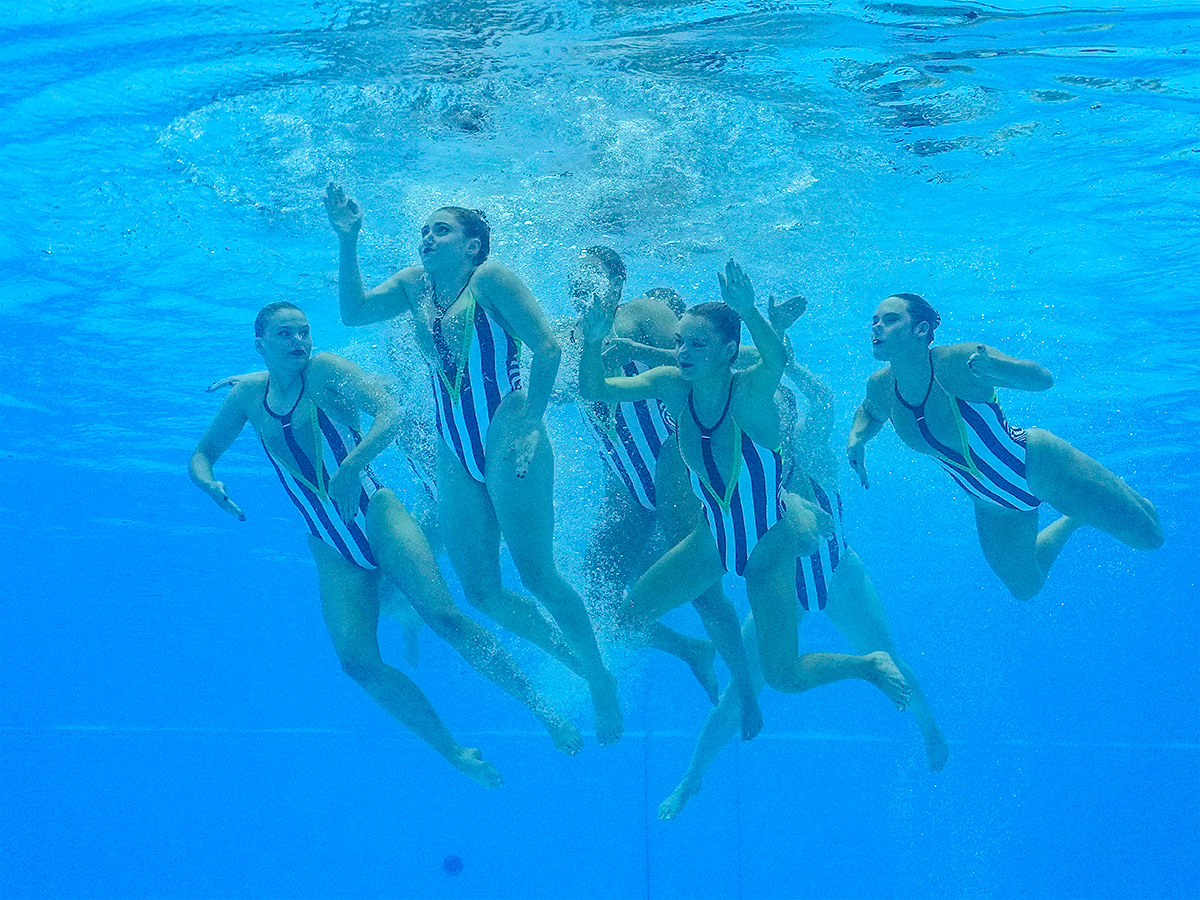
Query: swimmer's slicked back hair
(919,311)
(263,319)
(669,296)
(726,322)
(609,259)
(474,224)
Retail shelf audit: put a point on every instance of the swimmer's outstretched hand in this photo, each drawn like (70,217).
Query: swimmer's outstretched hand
(216,490)
(598,321)
(856,454)
(783,314)
(344,214)
(736,289)
(344,490)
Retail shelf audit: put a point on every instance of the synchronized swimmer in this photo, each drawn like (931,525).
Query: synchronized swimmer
(710,471)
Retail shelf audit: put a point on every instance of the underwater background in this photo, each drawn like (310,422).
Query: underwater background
(173,721)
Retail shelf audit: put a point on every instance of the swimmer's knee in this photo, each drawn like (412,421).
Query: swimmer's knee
(779,676)
(361,665)
(541,579)
(1024,589)
(444,621)
(1152,532)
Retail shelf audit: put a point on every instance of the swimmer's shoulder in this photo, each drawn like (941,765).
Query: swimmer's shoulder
(247,391)
(879,393)
(648,321)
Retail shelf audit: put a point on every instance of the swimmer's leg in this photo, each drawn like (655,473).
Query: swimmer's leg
(771,589)
(721,725)
(524,511)
(472,540)
(1014,550)
(404,557)
(679,515)
(619,549)
(855,609)
(1081,488)
(351,610)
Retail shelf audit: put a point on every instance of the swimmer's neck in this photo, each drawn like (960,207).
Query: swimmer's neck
(711,392)
(286,381)
(911,371)
(448,284)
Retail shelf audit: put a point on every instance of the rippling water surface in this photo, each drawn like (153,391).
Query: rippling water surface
(173,721)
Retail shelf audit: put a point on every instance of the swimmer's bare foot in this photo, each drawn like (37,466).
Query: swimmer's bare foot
(885,676)
(937,750)
(751,712)
(673,805)
(609,722)
(471,763)
(700,656)
(565,735)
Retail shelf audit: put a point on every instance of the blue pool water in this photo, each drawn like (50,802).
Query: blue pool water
(173,722)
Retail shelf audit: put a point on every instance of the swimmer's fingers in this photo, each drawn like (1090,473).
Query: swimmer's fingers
(344,214)
(523,449)
(736,289)
(783,314)
(222,383)
(597,322)
(857,458)
(979,361)
(344,489)
(219,495)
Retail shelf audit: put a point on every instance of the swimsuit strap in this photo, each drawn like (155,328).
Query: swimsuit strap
(716,482)
(312,471)
(443,346)
(920,407)
(707,433)
(285,419)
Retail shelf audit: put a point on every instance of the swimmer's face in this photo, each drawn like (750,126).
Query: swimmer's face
(590,283)
(287,341)
(444,244)
(699,349)
(893,330)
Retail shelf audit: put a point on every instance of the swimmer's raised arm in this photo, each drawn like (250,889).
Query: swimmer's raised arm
(219,437)
(358,305)
(738,294)
(997,369)
(869,419)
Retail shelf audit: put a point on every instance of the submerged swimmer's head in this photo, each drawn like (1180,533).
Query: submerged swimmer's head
(670,297)
(903,325)
(708,339)
(598,274)
(920,312)
(282,335)
(475,227)
(263,319)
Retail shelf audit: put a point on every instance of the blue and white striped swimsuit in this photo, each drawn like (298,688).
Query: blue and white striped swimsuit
(308,487)
(814,573)
(990,461)
(631,434)
(741,510)
(467,400)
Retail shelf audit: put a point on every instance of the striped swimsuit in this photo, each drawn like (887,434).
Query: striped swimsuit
(468,395)
(631,434)
(308,485)
(989,462)
(814,573)
(741,510)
